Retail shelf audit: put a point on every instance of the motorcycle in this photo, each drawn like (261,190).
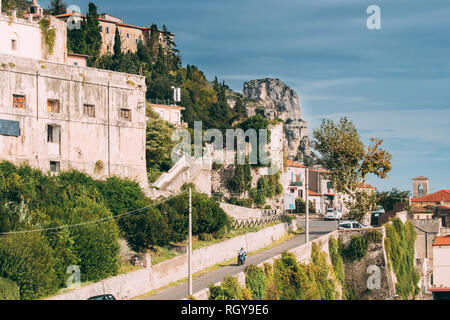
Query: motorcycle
(241,258)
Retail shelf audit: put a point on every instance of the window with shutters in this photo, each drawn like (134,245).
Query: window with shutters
(54,166)
(125,114)
(53,106)
(53,133)
(89,110)
(18,101)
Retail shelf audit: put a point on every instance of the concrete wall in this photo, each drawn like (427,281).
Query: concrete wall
(441,266)
(238,212)
(29,39)
(360,272)
(101,146)
(142,281)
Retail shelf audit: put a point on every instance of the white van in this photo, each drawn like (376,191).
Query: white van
(333,214)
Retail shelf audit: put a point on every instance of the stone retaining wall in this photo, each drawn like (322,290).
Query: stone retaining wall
(138,282)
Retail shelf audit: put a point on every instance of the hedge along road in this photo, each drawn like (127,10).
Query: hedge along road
(317,229)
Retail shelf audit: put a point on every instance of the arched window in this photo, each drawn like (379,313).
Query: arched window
(14,43)
(420,190)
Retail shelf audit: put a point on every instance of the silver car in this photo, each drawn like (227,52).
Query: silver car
(351,224)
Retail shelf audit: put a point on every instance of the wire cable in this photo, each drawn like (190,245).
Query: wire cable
(93,221)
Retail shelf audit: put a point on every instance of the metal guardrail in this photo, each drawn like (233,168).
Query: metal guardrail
(245,223)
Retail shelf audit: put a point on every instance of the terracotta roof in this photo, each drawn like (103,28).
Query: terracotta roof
(420,178)
(312,193)
(421,210)
(291,163)
(321,170)
(442,241)
(362,185)
(64,15)
(434,197)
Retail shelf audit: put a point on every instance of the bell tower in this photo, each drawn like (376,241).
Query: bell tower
(420,186)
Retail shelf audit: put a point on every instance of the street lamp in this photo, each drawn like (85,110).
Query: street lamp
(190,245)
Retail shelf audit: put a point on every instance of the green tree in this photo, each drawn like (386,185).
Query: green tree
(159,144)
(345,156)
(87,39)
(56,7)
(387,199)
(29,261)
(117,45)
(9,290)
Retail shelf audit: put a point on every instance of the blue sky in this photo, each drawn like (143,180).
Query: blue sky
(394,83)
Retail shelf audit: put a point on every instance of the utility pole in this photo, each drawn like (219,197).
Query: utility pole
(190,245)
(307,205)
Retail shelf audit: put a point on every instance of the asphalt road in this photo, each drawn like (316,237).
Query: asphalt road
(317,229)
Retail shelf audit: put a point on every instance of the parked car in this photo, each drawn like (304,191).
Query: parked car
(379,209)
(351,224)
(374,219)
(103,297)
(333,214)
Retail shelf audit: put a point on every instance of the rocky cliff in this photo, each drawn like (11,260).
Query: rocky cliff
(277,100)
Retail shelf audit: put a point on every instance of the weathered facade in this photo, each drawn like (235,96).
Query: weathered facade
(57,115)
(73,117)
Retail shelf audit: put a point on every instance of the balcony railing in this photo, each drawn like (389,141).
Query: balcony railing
(296,183)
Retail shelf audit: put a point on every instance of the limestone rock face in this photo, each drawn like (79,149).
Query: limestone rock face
(280,101)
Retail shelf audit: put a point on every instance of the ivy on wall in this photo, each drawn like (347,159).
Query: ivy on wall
(48,33)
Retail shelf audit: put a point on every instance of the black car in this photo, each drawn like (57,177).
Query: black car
(103,297)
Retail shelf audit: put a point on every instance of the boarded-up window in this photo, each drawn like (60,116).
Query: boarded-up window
(53,106)
(89,110)
(18,101)
(53,133)
(9,128)
(54,166)
(125,114)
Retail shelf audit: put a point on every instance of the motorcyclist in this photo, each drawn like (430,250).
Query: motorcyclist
(242,255)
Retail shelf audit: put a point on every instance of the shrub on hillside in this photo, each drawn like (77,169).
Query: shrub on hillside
(229,289)
(205,237)
(9,290)
(255,280)
(29,261)
(335,249)
(399,244)
(357,249)
(96,244)
(146,229)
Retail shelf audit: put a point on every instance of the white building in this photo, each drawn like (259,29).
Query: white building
(55,115)
(441,266)
(171,114)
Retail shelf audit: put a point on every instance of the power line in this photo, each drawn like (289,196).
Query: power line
(93,221)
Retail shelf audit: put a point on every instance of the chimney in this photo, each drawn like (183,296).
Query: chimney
(30,17)
(0,6)
(442,201)
(14,14)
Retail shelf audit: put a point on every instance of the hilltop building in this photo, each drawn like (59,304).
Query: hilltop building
(130,35)
(56,114)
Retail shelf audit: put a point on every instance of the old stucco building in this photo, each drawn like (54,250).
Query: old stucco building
(130,35)
(56,116)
